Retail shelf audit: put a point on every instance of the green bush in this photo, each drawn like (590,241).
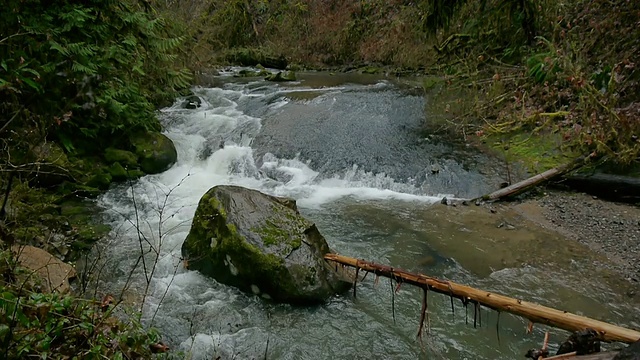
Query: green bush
(80,71)
(57,326)
(38,325)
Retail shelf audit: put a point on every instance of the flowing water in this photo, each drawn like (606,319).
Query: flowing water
(351,151)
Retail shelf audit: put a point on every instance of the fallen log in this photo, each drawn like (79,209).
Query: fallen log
(534,312)
(610,186)
(533,181)
(609,355)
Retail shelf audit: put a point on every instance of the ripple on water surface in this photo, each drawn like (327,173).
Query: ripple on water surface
(260,136)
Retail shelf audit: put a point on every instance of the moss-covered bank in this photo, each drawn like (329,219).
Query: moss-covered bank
(561,69)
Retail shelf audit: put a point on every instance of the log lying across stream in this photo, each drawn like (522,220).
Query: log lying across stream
(534,180)
(534,312)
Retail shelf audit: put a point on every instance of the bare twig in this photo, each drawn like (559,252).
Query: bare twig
(12,118)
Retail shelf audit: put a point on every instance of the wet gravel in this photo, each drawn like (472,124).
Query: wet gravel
(612,229)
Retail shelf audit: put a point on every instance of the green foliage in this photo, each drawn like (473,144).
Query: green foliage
(440,13)
(544,66)
(86,70)
(61,326)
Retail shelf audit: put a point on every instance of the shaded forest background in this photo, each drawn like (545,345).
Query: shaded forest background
(562,67)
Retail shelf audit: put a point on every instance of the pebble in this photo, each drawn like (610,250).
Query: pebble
(610,227)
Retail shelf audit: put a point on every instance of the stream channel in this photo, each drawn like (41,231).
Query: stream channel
(351,149)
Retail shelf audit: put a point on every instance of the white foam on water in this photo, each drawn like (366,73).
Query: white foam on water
(213,145)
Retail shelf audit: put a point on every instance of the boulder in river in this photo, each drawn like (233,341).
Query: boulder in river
(630,353)
(262,245)
(281,76)
(155,151)
(191,102)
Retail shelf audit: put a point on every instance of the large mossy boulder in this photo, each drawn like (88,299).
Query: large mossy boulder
(156,152)
(262,245)
(127,159)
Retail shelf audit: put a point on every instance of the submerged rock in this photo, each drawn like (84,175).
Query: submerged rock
(260,244)
(282,76)
(260,72)
(155,151)
(630,353)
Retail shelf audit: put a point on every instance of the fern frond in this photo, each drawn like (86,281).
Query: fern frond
(89,70)
(53,45)
(82,49)
(75,18)
(167,44)
(130,40)
(135,17)
(155,24)
(166,57)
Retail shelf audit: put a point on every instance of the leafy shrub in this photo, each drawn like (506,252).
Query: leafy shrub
(62,326)
(86,70)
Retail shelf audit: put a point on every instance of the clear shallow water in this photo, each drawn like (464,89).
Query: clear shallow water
(363,212)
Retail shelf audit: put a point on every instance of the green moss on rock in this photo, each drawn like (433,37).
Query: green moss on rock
(50,165)
(536,152)
(254,57)
(101,180)
(252,73)
(70,188)
(281,76)
(155,151)
(135,174)
(371,70)
(257,243)
(126,158)
(118,173)
(90,233)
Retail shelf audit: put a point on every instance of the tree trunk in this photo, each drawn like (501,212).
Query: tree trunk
(532,181)
(609,186)
(534,312)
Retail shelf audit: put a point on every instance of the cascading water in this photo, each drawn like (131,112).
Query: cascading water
(351,156)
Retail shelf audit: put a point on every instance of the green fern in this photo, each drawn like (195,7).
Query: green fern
(103,61)
(91,69)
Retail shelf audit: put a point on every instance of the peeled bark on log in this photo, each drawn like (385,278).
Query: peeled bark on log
(534,312)
(533,181)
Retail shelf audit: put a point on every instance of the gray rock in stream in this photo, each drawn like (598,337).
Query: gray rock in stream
(191,102)
(630,353)
(262,245)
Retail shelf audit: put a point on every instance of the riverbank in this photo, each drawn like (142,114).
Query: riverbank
(608,228)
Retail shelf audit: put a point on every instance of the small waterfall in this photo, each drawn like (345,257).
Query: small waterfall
(353,159)
(214,147)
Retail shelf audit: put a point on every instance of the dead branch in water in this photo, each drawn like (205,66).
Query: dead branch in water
(533,312)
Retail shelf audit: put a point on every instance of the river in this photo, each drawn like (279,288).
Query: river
(353,152)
